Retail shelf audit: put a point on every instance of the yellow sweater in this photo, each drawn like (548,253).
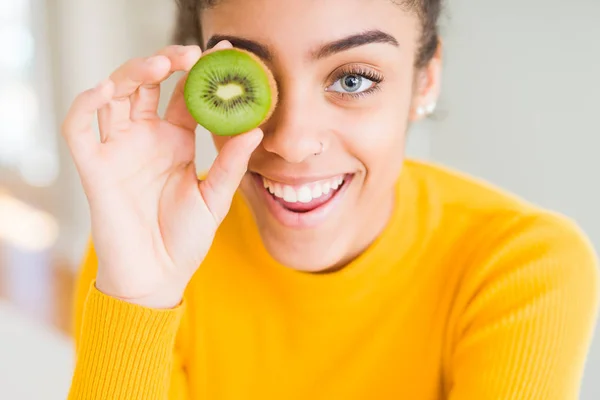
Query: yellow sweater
(469,293)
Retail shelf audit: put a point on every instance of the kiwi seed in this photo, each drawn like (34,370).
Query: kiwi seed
(230,91)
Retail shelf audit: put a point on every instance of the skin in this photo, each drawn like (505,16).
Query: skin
(364,136)
(153,221)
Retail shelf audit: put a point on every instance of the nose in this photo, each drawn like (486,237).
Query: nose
(293,131)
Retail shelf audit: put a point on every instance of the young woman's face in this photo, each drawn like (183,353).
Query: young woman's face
(347,86)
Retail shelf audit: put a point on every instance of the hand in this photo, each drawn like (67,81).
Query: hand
(153,221)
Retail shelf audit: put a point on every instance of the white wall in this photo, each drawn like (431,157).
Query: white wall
(520,107)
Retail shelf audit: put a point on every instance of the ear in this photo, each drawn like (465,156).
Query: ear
(427,87)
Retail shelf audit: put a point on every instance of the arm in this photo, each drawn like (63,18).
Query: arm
(123,351)
(147,247)
(527,328)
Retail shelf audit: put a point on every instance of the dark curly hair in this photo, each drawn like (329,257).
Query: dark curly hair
(188,24)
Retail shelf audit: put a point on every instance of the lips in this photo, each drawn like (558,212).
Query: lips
(305,197)
(303,205)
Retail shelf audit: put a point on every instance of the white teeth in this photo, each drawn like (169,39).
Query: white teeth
(289,194)
(305,193)
(317,192)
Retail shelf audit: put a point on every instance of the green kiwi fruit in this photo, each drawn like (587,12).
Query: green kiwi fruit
(230,91)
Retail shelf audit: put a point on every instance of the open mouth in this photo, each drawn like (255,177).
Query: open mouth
(306,203)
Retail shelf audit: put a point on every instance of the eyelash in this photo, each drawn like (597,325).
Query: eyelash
(363,72)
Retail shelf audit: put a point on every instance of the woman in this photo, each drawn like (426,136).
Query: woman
(400,279)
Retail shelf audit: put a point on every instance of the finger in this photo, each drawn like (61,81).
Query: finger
(227,171)
(177,112)
(223,44)
(77,125)
(131,75)
(115,116)
(145,101)
(182,57)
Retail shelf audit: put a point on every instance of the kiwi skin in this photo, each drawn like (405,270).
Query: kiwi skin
(272,83)
(189,92)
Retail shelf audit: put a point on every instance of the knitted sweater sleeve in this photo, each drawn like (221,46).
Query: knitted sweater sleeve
(123,351)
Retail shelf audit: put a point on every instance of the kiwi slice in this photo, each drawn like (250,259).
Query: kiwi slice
(230,91)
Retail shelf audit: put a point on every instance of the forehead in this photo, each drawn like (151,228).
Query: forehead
(303,25)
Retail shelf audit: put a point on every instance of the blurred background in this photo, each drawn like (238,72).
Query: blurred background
(519,108)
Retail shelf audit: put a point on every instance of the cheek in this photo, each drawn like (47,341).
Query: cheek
(375,135)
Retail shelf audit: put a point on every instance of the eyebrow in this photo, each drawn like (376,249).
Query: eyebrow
(350,42)
(326,50)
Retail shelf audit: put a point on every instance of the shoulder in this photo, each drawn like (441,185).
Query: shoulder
(482,205)
(455,188)
(522,284)
(501,236)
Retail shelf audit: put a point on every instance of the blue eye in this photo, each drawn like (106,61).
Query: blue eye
(351,83)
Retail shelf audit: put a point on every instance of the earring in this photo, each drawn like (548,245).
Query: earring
(427,110)
(430,108)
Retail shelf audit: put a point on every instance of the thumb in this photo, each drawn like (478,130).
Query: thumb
(226,173)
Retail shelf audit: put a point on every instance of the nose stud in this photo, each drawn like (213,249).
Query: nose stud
(321,150)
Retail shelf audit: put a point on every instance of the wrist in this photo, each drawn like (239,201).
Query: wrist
(167,299)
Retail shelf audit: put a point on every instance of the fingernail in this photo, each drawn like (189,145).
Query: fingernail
(193,49)
(258,136)
(151,60)
(223,44)
(182,50)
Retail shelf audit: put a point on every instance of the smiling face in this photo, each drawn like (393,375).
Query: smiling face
(321,184)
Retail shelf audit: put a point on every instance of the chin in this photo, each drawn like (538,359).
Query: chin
(312,255)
